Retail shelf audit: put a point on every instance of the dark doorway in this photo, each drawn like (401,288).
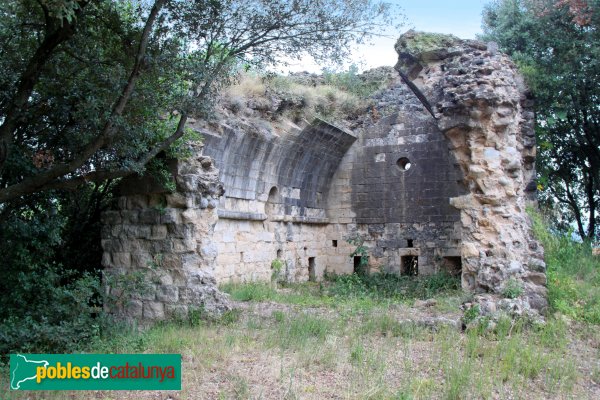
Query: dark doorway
(452,265)
(312,277)
(360,265)
(410,265)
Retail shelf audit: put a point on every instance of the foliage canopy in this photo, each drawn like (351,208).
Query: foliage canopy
(96,89)
(556,44)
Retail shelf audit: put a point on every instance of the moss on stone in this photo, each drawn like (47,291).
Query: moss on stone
(417,43)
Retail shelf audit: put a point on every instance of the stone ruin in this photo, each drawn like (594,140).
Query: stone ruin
(435,176)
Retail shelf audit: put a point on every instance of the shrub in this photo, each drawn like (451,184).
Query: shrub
(63,319)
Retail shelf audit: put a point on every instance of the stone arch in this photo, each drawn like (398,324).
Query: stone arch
(273,201)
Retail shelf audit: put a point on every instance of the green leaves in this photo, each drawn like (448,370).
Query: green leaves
(61,9)
(557,55)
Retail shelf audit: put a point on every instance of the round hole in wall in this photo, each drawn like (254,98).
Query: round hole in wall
(403,163)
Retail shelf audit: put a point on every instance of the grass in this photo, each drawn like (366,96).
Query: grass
(354,291)
(573,273)
(295,354)
(336,97)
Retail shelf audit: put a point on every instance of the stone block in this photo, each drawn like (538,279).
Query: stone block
(137,202)
(228,237)
(176,200)
(106,260)
(153,310)
(112,245)
(537,278)
(171,262)
(209,251)
(140,260)
(130,216)
(163,277)
(150,216)
(176,311)
(469,250)
(254,256)
(134,309)
(167,294)
(111,217)
(170,216)
(137,231)
(121,259)
(158,232)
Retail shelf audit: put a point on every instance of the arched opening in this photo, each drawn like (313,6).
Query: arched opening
(272,201)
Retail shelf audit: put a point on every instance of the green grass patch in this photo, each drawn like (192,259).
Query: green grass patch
(355,294)
(573,273)
(253,291)
(382,286)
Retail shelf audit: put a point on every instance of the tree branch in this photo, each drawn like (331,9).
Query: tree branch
(42,180)
(31,75)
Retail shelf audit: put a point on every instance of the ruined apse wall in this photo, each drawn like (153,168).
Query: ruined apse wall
(401,211)
(276,187)
(482,106)
(298,193)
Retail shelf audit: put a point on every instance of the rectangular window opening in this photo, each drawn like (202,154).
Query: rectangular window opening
(334,243)
(360,267)
(312,277)
(410,243)
(410,265)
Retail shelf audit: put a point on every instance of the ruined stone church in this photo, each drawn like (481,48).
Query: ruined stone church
(436,176)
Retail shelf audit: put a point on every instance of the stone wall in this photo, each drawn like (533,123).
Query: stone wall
(481,104)
(403,212)
(167,238)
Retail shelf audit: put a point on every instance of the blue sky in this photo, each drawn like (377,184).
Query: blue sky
(461,18)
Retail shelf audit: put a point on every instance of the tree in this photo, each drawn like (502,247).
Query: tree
(556,44)
(96,89)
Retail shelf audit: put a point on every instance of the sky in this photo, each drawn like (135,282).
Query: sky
(461,18)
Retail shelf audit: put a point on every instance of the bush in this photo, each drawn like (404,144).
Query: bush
(350,81)
(62,319)
(50,297)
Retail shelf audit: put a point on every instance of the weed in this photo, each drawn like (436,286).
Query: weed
(471,314)
(512,289)
(297,331)
(357,353)
(249,291)
(361,251)
(383,286)
(276,267)
(279,316)
(240,387)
